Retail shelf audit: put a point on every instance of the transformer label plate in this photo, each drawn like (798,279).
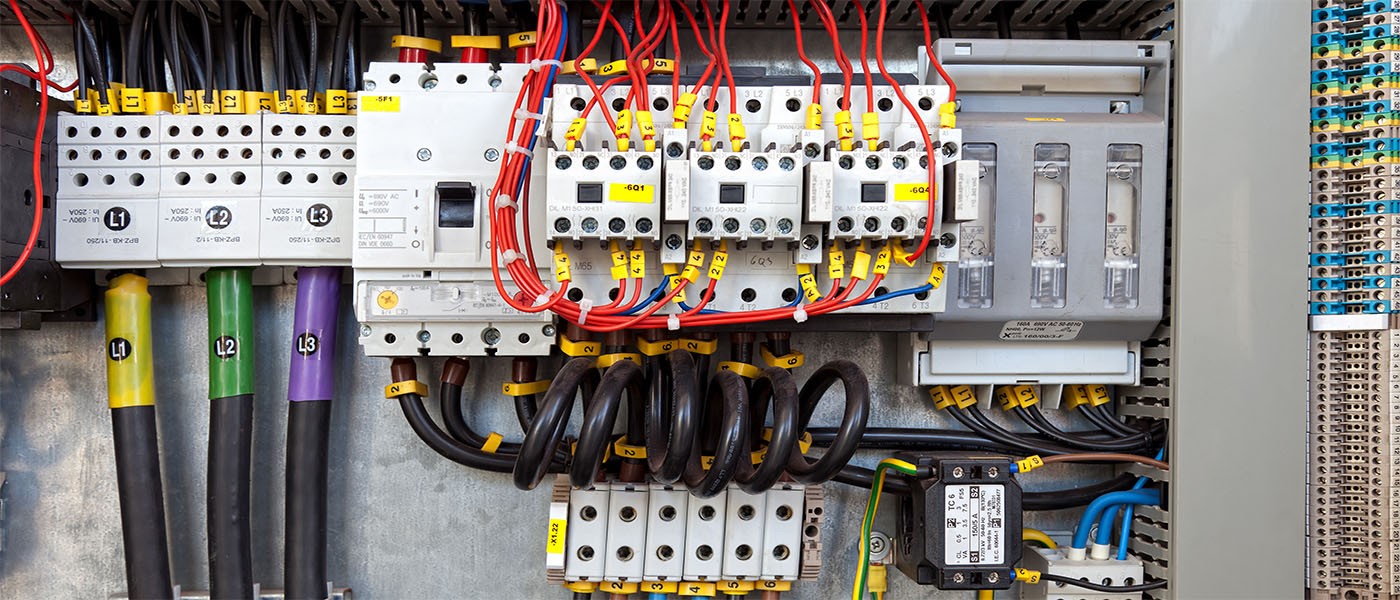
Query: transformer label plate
(974,526)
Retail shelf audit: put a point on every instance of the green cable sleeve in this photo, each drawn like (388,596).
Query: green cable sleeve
(230,331)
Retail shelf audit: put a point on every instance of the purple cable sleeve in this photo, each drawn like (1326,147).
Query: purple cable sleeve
(313,334)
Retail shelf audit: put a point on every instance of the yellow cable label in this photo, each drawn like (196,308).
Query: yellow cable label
(617,67)
(622,127)
(587,65)
(259,101)
(836,263)
(337,102)
(353,104)
(860,267)
(717,263)
(378,104)
(696,588)
(963,395)
(659,65)
(522,39)
(1030,462)
(673,271)
(637,263)
(575,131)
(628,451)
(619,260)
(707,124)
(941,397)
(772,585)
(1027,575)
(558,533)
(157,102)
(400,388)
(484,42)
(105,110)
(911,192)
(658,347)
(492,442)
(645,125)
(876,580)
(130,366)
(1075,396)
(882,261)
(745,370)
(304,103)
(935,275)
(528,388)
(733,587)
(419,43)
(814,116)
(231,102)
(572,348)
(562,270)
(1098,394)
(640,193)
(699,346)
(681,112)
(692,266)
(133,100)
(284,104)
(586,587)
(791,360)
(946,118)
(808,282)
(660,587)
(608,360)
(844,130)
(736,131)
(1016,396)
(870,129)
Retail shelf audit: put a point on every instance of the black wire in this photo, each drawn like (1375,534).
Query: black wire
(1036,501)
(109,36)
(853,420)
(291,43)
(595,434)
(313,50)
(1037,421)
(208,59)
(435,438)
(341,45)
(779,385)
(154,58)
(1109,421)
(352,59)
(169,35)
(669,446)
(249,72)
(80,59)
(547,428)
(134,37)
(279,52)
(195,64)
(728,392)
(232,76)
(941,19)
(974,420)
(1111,589)
(92,55)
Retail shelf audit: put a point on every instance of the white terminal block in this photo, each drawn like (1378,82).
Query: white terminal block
(704,537)
(1110,572)
(782,532)
(107,202)
(746,196)
(627,531)
(308,166)
(587,534)
(604,194)
(210,193)
(880,194)
(665,548)
(743,534)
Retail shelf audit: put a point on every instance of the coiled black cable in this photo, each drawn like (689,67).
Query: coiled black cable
(595,435)
(546,430)
(852,428)
(669,447)
(730,392)
(778,385)
(432,435)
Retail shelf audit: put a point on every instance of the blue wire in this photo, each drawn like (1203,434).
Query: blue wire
(1127,526)
(706,311)
(1091,514)
(892,295)
(656,596)
(655,295)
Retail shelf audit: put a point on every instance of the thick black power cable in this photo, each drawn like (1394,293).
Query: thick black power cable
(353,67)
(233,79)
(313,51)
(340,46)
(167,16)
(92,56)
(135,36)
(546,430)
(207,38)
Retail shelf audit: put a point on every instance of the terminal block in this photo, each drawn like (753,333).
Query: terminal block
(604,195)
(308,181)
(108,200)
(1107,572)
(210,191)
(745,196)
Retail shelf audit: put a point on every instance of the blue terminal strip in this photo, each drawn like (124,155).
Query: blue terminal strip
(1389,207)
(1348,308)
(1333,284)
(1344,259)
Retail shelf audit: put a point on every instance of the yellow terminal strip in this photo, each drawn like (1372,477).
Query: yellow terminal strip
(400,388)
(737,134)
(619,260)
(574,133)
(681,112)
(870,129)
(844,130)
(814,116)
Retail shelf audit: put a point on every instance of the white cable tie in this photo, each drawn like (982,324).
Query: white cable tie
(536,64)
(543,299)
(799,314)
(518,149)
(504,201)
(510,256)
(522,114)
(584,306)
(673,322)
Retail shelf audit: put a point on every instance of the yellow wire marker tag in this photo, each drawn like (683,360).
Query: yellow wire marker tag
(528,388)
(399,388)
(791,360)
(860,267)
(637,259)
(617,67)
(651,348)
(772,585)
(337,102)
(484,42)
(745,370)
(717,263)
(836,263)
(619,260)
(562,270)
(673,271)
(692,266)
(492,443)
(179,108)
(941,397)
(963,395)
(844,130)
(522,39)
(419,43)
(707,124)
(1027,575)
(870,129)
(623,123)
(808,281)
(608,360)
(659,65)
(699,346)
(628,451)
(1098,394)
(352,106)
(681,112)
(935,275)
(306,103)
(572,348)
(586,587)
(232,102)
(814,116)
(736,131)
(946,118)
(638,193)
(882,261)
(259,101)
(157,102)
(587,65)
(617,587)
(1007,397)
(901,255)
(105,110)
(697,588)
(283,105)
(1030,462)
(876,579)
(1075,396)
(734,587)
(133,100)
(660,587)
(1026,395)
(645,125)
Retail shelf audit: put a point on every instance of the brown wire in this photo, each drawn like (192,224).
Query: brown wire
(1106,456)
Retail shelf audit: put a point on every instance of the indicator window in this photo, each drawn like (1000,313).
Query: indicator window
(731,193)
(590,193)
(872,192)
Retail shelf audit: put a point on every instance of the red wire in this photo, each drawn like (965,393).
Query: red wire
(43,78)
(829,23)
(724,57)
(675,49)
(35,76)
(700,42)
(597,35)
(923,129)
(864,63)
(802,53)
(928,47)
